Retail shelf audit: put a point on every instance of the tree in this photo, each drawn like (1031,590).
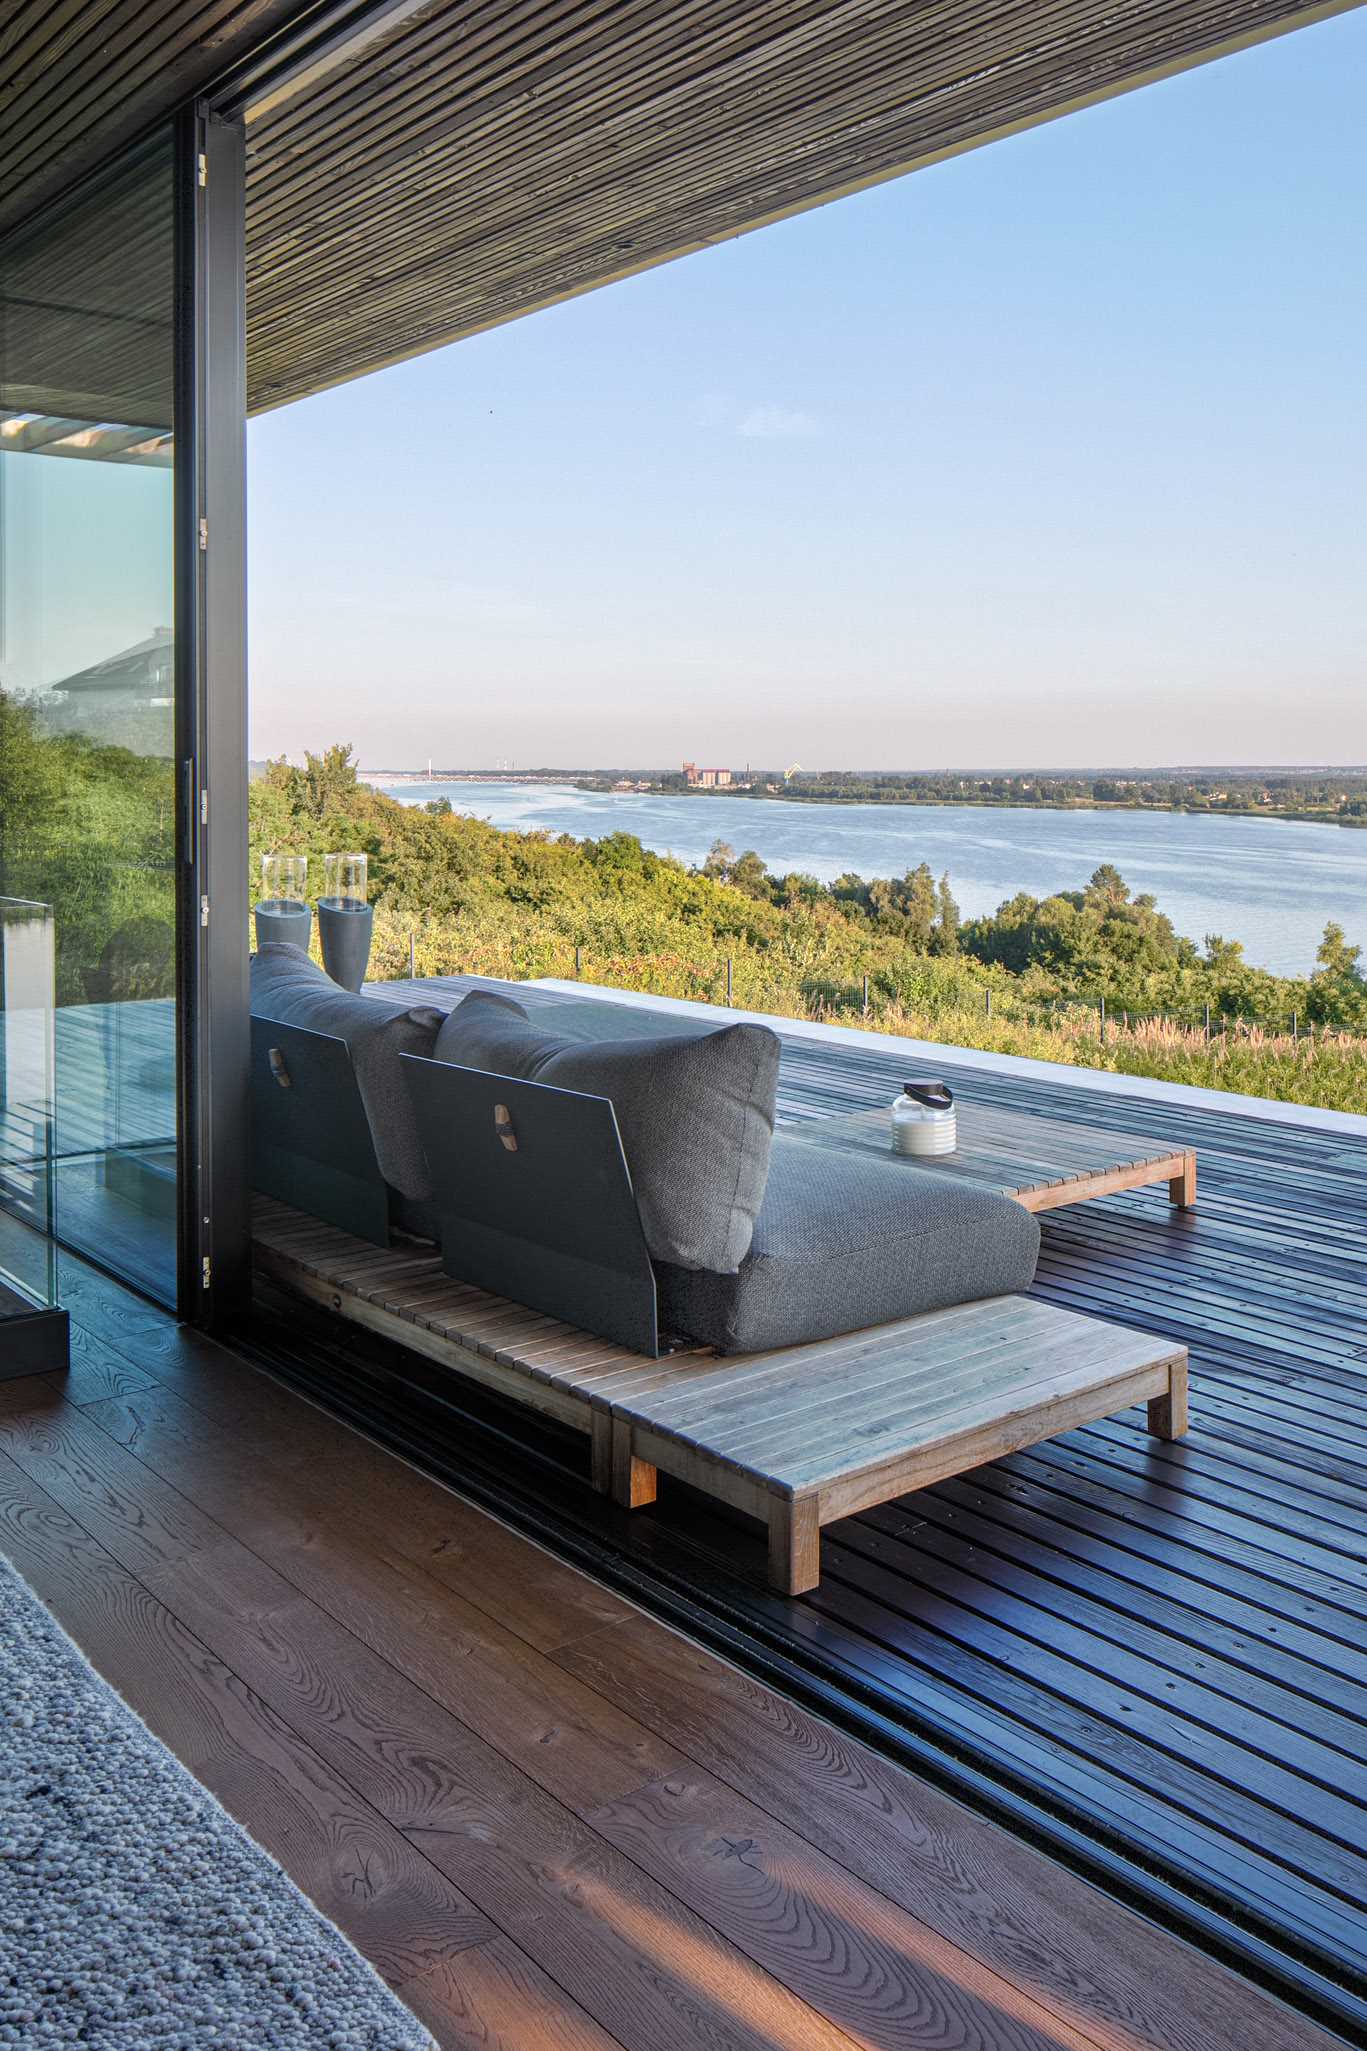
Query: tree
(749,874)
(851,895)
(329,780)
(621,862)
(797,887)
(913,900)
(944,938)
(1338,993)
(720,857)
(1336,960)
(1107,888)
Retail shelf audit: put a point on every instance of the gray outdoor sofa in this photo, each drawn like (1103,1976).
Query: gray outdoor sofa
(628,1248)
(487,1131)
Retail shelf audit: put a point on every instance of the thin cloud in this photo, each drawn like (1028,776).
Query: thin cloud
(778,423)
(714,409)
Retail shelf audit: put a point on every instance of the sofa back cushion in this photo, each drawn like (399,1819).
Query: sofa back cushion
(695,1110)
(288,987)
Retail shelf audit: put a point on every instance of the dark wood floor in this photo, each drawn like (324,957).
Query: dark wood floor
(1172,1638)
(1160,1649)
(550,1821)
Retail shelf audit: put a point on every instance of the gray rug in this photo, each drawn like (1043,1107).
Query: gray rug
(135,1915)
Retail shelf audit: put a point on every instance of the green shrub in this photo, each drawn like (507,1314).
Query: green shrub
(517,905)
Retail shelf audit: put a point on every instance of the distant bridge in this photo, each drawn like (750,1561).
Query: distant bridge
(476,775)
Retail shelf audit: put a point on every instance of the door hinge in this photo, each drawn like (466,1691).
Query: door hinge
(204,534)
(203,169)
(204,806)
(204,911)
(206,1273)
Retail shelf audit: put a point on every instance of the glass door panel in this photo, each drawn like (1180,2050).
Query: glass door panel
(88,783)
(27,988)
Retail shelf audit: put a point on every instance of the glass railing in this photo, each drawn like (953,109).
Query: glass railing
(27,1005)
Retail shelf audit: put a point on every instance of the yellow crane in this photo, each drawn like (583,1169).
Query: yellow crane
(791,772)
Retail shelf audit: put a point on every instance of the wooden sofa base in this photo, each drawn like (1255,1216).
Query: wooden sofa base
(795,1521)
(797,1438)
(1038,1162)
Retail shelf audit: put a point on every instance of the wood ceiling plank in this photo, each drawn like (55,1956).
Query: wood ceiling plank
(477,159)
(449,184)
(80,78)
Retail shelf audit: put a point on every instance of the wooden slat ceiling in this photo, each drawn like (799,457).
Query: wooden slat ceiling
(79,78)
(471,160)
(87,319)
(482,158)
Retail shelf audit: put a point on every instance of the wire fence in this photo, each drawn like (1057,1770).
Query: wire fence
(1083,1016)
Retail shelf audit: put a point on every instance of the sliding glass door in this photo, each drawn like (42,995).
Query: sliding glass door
(88,775)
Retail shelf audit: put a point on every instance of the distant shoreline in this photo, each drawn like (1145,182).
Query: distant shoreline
(569,780)
(1301,818)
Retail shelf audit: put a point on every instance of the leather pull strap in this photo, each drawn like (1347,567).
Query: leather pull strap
(936,1096)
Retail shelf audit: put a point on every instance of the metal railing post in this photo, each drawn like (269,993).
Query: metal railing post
(728,979)
(412,955)
(1103,1021)
(578,962)
(866,996)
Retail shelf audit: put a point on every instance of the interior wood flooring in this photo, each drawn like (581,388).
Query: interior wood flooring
(549,1820)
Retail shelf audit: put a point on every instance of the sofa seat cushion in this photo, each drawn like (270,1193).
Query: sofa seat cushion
(695,1110)
(846,1240)
(288,987)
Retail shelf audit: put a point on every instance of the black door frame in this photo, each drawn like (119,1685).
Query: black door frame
(210,760)
(211,718)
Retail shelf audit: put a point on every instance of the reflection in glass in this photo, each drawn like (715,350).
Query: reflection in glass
(345,881)
(27,985)
(284,880)
(87,693)
(283,912)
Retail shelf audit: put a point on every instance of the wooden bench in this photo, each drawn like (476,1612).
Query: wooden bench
(1042,1163)
(797,1438)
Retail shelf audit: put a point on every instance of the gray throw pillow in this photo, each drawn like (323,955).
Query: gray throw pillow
(695,1111)
(291,989)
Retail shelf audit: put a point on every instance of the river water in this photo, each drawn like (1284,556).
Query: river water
(1269,883)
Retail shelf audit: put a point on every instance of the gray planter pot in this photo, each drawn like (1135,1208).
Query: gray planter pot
(344,930)
(283,918)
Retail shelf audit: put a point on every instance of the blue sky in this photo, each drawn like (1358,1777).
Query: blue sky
(1051,454)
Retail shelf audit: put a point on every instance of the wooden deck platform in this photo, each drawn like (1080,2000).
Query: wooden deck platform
(1153,1656)
(551,1823)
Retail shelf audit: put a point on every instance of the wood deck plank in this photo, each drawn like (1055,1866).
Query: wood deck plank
(1245,1532)
(556,1869)
(597,1761)
(1012,1153)
(1267,1283)
(1008,1905)
(391,1901)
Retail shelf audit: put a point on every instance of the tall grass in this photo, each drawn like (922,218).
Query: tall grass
(1326,1068)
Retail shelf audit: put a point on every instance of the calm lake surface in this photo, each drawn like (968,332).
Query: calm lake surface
(1270,883)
